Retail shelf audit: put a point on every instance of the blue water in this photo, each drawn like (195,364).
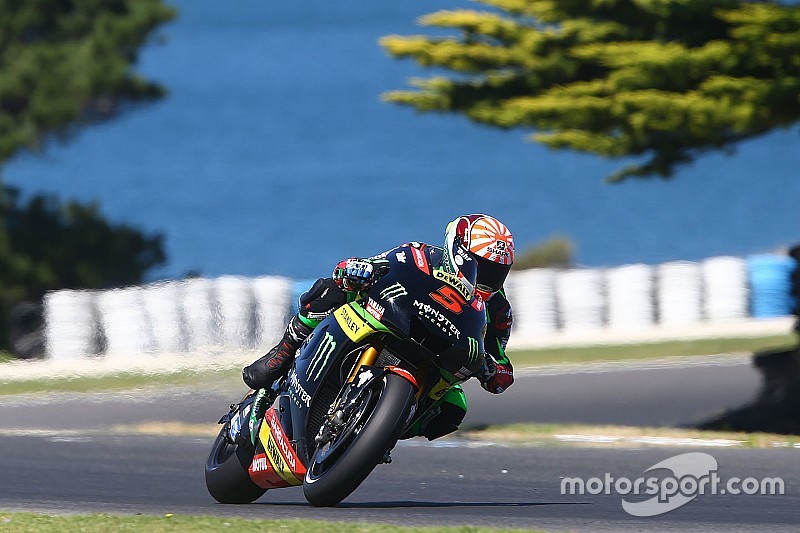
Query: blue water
(273,154)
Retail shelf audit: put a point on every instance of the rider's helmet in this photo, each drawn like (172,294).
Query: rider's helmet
(491,244)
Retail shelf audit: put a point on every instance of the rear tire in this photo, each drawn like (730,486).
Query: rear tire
(227,477)
(328,482)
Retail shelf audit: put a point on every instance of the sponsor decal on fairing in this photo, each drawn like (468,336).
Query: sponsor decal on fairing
(297,392)
(437,318)
(454,282)
(375,309)
(321,356)
(393,291)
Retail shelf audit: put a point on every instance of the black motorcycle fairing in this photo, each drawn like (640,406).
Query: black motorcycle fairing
(309,383)
(419,302)
(424,313)
(416,333)
(285,415)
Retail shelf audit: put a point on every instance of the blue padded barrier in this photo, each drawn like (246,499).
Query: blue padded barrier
(768,277)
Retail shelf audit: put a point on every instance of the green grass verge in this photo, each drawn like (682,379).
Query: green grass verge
(124,381)
(543,434)
(520,358)
(524,434)
(35,523)
(619,352)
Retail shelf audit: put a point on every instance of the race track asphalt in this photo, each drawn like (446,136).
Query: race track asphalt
(491,485)
(47,468)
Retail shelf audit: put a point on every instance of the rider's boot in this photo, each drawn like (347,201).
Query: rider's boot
(277,362)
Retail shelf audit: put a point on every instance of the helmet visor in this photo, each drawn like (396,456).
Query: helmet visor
(491,275)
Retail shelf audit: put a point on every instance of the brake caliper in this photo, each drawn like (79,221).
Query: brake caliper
(341,410)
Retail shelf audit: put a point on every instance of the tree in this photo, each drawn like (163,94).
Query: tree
(662,80)
(72,246)
(555,252)
(50,245)
(65,64)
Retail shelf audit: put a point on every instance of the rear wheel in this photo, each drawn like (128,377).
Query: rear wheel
(227,477)
(338,467)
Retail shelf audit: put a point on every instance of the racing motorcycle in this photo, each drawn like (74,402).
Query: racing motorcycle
(365,376)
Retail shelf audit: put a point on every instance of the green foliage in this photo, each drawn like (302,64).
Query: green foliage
(555,252)
(63,65)
(72,246)
(665,80)
(66,63)
(49,245)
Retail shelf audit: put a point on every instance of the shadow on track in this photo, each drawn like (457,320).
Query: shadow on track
(422,504)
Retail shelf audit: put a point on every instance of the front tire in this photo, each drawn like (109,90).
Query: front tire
(330,480)
(227,477)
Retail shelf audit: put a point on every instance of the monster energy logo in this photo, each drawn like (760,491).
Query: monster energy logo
(320,359)
(473,348)
(393,291)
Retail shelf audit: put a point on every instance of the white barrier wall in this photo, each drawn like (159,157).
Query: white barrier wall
(237,310)
(125,323)
(581,299)
(628,298)
(201,314)
(273,297)
(231,313)
(532,294)
(631,298)
(725,282)
(679,293)
(237,313)
(162,306)
(70,320)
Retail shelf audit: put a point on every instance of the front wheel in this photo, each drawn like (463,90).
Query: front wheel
(338,468)
(227,477)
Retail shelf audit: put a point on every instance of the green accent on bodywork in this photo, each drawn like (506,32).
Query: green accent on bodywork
(473,348)
(310,322)
(450,378)
(413,431)
(254,415)
(361,312)
(456,396)
(320,358)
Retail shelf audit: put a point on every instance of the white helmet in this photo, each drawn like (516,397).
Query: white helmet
(490,243)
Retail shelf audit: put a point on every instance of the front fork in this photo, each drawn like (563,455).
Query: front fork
(364,371)
(342,408)
(368,358)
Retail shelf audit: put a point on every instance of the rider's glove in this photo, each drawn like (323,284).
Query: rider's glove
(358,274)
(495,377)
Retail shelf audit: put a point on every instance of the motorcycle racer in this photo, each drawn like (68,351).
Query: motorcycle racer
(489,243)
